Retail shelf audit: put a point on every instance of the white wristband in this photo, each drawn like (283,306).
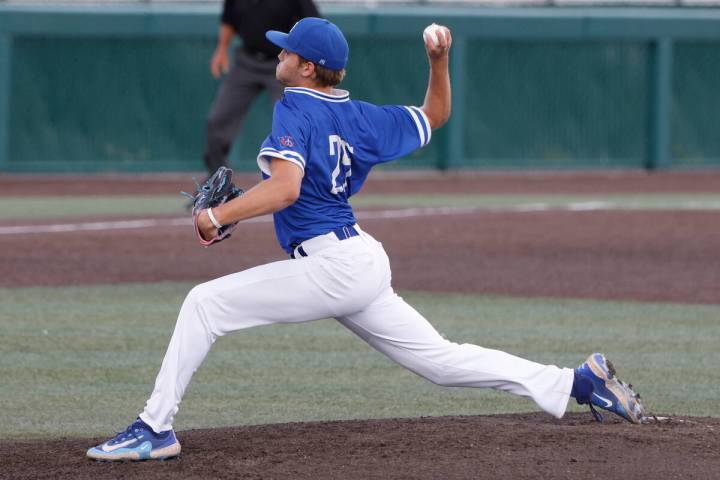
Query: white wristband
(213,219)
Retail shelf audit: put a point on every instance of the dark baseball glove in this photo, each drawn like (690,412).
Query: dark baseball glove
(216,190)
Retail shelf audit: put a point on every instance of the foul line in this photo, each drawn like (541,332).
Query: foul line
(362,215)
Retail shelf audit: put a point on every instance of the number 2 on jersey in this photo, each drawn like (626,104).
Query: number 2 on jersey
(340,149)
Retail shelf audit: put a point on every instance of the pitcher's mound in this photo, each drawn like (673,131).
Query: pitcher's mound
(499,446)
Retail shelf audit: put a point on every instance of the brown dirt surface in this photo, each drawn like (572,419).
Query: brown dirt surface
(669,256)
(524,446)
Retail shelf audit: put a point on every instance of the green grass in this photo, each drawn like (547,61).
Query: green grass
(26,208)
(22,208)
(81,361)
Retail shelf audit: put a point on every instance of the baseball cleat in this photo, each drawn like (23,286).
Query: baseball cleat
(608,392)
(137,442)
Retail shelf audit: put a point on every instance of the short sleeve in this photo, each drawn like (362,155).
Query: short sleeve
(226,16)
(288,139)
(400,130)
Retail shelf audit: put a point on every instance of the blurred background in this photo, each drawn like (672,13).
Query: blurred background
(124,86)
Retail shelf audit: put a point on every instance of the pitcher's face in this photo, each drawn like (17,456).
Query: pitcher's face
(289,69)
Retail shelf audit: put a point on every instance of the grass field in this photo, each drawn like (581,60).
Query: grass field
(73,206)
(81,361)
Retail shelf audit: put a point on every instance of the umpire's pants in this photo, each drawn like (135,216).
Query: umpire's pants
(247,78)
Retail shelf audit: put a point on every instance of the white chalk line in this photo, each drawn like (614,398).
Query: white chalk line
(361,215)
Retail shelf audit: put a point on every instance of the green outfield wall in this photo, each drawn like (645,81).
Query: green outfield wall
(127,88)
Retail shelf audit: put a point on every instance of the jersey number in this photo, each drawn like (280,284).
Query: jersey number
(340,150)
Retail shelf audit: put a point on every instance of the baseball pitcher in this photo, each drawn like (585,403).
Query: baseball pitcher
(321,148)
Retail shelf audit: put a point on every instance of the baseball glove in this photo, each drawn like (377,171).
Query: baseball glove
(216,190)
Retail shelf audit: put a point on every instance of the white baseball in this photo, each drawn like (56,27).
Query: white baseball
(433,31)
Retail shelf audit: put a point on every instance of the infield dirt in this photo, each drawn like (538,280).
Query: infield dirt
(639,255)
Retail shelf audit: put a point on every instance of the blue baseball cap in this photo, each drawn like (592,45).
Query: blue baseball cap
(314,39)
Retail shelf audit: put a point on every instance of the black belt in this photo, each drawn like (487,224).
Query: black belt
(342,233)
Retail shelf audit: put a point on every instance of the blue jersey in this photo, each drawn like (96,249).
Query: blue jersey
(335,141)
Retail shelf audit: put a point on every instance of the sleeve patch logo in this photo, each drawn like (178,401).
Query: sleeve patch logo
(286,141)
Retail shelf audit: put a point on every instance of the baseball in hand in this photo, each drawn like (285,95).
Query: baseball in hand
(433,31)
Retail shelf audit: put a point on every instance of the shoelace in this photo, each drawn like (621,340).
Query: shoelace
(127,434)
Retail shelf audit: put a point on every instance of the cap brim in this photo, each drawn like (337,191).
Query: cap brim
(278,38)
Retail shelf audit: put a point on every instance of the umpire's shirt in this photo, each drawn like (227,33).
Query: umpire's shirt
(252,18)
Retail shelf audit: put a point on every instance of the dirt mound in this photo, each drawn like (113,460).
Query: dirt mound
(502,446)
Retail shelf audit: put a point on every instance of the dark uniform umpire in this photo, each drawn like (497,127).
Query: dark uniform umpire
(253,66)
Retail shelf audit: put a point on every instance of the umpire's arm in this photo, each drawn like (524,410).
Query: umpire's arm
(438,97)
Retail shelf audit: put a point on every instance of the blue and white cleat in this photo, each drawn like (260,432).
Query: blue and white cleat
(137,442)
(607,392)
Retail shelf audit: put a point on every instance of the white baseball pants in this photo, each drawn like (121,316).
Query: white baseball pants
(350,281)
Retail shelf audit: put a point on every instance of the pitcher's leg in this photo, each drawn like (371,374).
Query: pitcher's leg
(190,343)
(396,329)
(280,292)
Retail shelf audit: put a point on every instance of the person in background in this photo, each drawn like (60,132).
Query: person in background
(252,69)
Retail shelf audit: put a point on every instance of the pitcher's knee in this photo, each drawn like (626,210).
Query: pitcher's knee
(196,306)
(197,294)
(439,375)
